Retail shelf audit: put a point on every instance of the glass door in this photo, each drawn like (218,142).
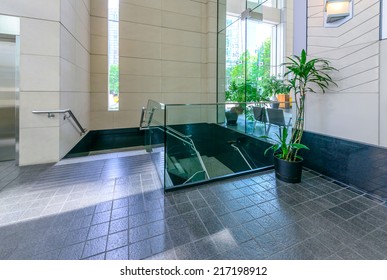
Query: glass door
(260,58)
(246,55)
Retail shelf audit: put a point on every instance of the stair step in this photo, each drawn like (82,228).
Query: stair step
(215,168)
(188,166)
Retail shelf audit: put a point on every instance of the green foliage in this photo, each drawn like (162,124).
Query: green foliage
(282,148)
(245,78)
(242,92)
(304,76)
(274,85)
(114,78)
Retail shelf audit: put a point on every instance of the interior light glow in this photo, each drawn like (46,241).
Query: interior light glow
(338,11)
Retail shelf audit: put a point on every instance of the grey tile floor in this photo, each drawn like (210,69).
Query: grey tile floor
(113,207)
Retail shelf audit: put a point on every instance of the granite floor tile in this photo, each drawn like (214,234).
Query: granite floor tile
(219,209)
(240,234)
(365,251)
(138,233)
(206,247)
(298,252)
(166,255)
(187,252)
(254,228)
(98,231)
(184,207)
(268,243)
(225,241)
(157,228)
(253,251)
(117,240)
(317,248)
(161,243)
(110,209)
(199,203)
(118,254)
(119,213)
(349,254)
(94,247)
(197,231)
(72,252)
(76,236)
(180,237)
(229,221)
(140,250)
(242,216)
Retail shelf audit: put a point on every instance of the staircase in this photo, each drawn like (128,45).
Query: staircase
(186,167)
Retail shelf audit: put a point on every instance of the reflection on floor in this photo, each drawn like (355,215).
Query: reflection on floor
(113,207)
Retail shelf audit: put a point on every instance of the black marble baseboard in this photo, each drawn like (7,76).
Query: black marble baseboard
(97,140)
(356,164)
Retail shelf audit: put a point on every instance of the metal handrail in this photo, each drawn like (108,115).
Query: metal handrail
(190,178)
(51,114)
(239,151)
(199,157)
(182,137)
(190,143)
(178,132)
(143,110)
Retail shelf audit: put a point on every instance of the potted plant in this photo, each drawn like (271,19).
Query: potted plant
(273,86)
(283,95)
(303,76)
(239,93)
(289,171)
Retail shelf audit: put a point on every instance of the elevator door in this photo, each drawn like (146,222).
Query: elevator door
(7,97)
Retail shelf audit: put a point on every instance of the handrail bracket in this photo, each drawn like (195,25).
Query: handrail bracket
(67,114)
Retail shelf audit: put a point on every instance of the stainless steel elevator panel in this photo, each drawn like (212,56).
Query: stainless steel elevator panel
(7,97)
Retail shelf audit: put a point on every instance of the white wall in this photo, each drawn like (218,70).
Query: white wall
(351,110)
(299,26)
(44,81)
(167,53)
(74,69)
(39,77)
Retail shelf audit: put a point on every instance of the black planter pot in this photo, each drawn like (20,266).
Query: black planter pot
(275,105)
(231,117)
(288,171)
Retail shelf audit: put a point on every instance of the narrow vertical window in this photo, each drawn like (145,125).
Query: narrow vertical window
(113,55)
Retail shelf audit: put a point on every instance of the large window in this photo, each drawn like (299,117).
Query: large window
(248,49)
(113,55)
(250,56)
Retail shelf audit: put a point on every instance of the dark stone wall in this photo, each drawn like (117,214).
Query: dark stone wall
(97,140)
(357,164)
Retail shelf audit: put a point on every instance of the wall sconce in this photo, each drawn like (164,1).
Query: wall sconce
(337,12)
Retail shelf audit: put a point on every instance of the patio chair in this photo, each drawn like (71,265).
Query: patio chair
(259,116)
(277,117)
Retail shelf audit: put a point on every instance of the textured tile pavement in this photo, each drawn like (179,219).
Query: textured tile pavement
(113,207)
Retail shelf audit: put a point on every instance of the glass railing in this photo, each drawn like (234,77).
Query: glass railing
(153,123)
(198,142)
(183,162)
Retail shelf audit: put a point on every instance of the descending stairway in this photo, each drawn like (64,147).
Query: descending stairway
(186,167)
(215,168)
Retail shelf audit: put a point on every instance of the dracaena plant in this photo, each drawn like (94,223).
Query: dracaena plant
(303,76)
(281,147)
